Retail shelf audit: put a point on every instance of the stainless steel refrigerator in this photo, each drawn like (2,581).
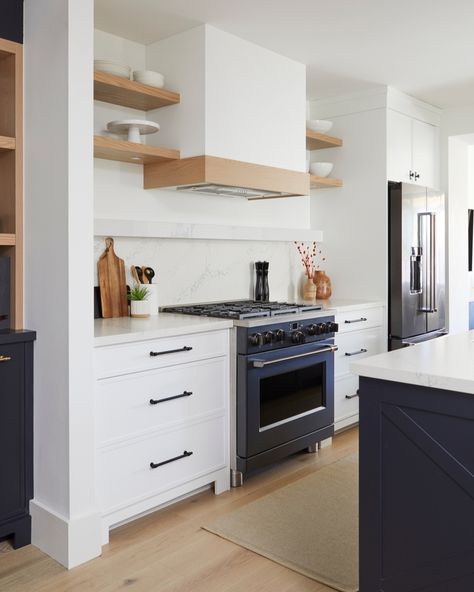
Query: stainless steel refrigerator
(417,246)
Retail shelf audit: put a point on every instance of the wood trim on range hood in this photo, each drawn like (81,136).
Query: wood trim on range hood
(223,171)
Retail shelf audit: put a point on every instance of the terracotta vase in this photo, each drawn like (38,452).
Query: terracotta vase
(309,289)
(323,285)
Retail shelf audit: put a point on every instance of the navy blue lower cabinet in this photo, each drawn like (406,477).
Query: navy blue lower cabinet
(16,435)
(416,488)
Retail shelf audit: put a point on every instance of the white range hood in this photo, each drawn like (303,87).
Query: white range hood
(240,125)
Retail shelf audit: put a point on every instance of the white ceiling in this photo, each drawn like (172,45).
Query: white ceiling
(422,47)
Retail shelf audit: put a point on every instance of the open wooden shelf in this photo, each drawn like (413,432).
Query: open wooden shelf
(11,172)
(124,151)
(7,143)
(323,182)
(128,93)
(7,240)
(317,141)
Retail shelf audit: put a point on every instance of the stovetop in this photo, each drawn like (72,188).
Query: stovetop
(243,309)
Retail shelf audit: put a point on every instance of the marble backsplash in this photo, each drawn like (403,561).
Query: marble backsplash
(189,271)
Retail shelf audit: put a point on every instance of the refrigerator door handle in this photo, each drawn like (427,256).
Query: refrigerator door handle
(430,304)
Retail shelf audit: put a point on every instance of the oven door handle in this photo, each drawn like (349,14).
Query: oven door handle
(263,363)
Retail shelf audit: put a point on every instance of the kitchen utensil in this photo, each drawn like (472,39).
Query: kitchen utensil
(149,274)
(321,169)
(114,68)
(321,126)
(135,128)
(113,287)
(138,274)
(149,77)
(134,273)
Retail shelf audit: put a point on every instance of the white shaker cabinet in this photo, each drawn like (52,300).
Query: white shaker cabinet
(162,422)
(361,334)
(412,150)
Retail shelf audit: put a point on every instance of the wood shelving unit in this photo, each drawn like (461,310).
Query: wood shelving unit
(7,143)
(323,182)
(7,240)
(123,151)
(317,141)
(128,93)
(11,171)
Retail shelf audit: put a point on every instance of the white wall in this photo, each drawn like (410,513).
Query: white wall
(354,217)
(456,135)
(58,249)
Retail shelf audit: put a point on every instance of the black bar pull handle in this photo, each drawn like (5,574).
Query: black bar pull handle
(362,350)
(352,396)
(183,394)
(362,319)
(186,348)
(170,460)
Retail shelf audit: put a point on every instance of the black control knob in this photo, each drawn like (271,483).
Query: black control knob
(297,337)
(322,328)
(279,335)
(256,339)
(268,337)
(312,329)
(333,327)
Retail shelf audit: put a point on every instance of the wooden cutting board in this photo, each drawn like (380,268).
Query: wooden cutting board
(113,287)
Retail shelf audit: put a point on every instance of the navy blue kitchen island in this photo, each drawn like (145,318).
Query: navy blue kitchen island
(417,468)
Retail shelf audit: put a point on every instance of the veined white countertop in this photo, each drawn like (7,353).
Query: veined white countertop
(348,304)
(127,330)
(444,363)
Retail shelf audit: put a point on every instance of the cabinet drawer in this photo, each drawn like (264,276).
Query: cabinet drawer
(362,318)
(345,408)
(124,403)
(355,345)
(115,360)
(124,473)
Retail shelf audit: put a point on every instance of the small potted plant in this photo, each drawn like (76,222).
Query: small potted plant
(139,305)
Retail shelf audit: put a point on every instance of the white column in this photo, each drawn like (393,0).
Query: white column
(58,273)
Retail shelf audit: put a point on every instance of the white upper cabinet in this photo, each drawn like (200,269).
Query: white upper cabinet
(412,150)
(399,152)
(425,153)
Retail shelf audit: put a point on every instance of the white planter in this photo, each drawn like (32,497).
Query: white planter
(139,309)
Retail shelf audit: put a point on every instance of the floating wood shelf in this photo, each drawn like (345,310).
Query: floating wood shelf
(317,141)
(323,182)
(7,143)
(110,149)
(128,93)
(7,240)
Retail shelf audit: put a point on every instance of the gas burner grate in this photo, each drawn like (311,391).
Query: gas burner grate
(243,309)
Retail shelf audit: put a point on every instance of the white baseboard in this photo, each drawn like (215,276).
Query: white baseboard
(69,542)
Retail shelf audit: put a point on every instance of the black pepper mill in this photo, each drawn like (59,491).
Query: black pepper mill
(259,281)
(266,289)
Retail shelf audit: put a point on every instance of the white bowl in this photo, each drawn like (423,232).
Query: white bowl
(149,77)
(114,68)
(321,169)
(319,125)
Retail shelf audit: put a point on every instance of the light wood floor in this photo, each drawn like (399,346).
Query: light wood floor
(168,551)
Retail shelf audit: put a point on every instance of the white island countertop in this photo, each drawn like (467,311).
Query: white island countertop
(127,330)
(348,304)
(443,363)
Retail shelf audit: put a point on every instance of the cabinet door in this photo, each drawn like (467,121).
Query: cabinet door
(425,150)
(399,147)
(12,432)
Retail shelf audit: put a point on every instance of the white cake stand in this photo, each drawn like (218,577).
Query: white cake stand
(134,128)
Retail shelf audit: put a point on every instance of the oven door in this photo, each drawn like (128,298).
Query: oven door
(283,395)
